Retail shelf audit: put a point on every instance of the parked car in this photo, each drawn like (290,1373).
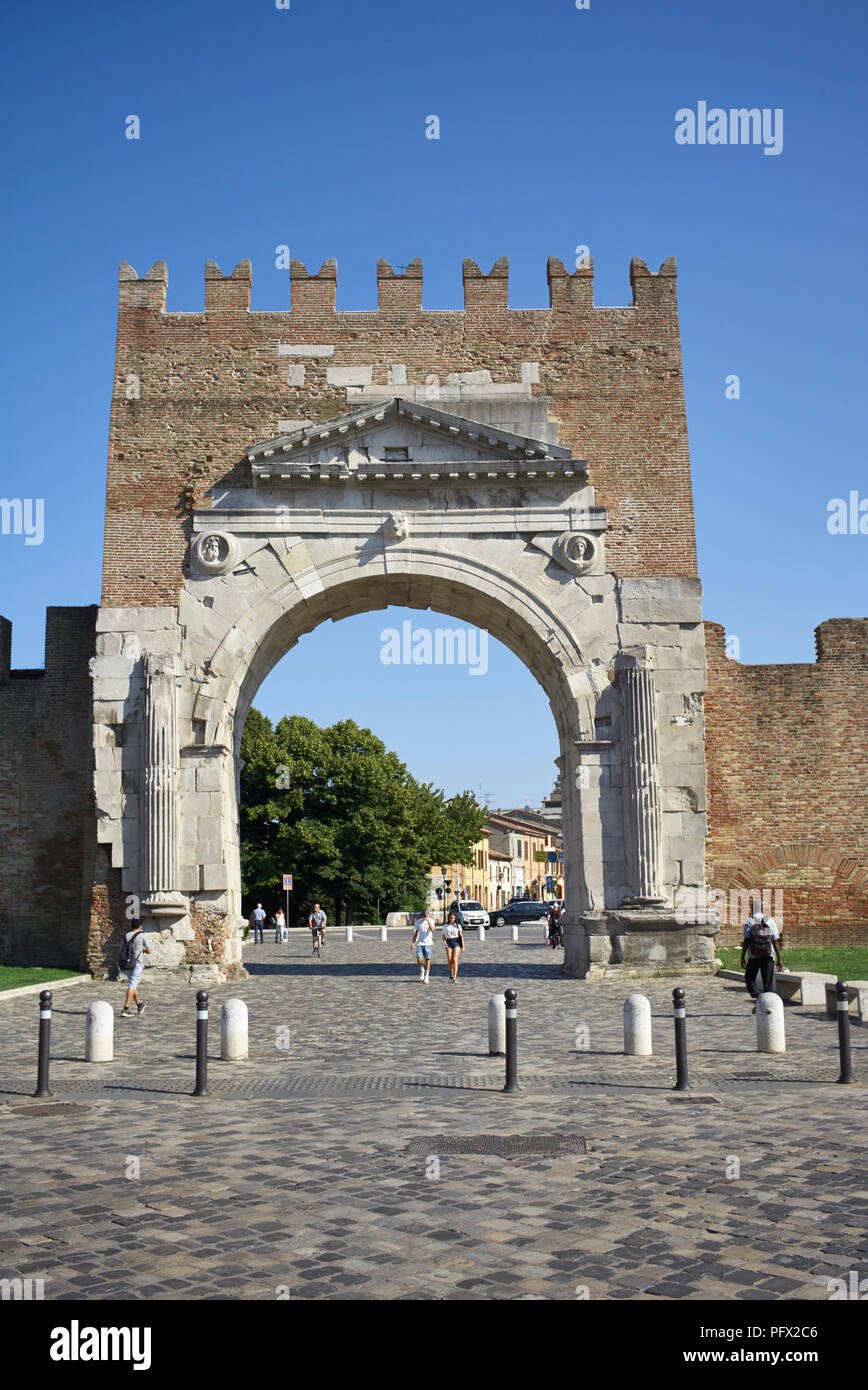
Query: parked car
(519,913)
(470,913)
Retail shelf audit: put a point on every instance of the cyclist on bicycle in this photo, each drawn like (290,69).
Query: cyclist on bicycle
(317,922)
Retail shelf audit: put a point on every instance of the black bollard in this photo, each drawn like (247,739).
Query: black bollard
(201,1043)
(680,1040)
(511,1042)
(44,1044)
(846,1078)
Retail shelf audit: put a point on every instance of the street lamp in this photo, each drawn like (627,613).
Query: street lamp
(447,884)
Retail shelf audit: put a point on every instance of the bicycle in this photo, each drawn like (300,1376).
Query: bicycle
(318,941)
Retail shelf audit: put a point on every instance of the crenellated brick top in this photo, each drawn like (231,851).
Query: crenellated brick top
(194,390)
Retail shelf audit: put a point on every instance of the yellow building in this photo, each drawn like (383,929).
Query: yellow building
(468,881)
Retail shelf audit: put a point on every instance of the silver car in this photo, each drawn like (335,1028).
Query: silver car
(470,913)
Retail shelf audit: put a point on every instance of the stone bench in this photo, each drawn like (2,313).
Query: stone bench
(857,997)
(794,986)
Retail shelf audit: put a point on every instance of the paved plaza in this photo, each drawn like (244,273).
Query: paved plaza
(315,1171)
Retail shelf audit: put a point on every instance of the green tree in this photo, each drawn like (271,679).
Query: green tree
(341,812)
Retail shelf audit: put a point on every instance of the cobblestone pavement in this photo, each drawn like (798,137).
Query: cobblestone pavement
(311,1171)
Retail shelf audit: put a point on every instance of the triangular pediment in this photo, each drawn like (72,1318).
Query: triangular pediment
(405,440)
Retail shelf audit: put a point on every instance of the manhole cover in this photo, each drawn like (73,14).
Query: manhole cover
(694,1100)
(505,1145)
(67,1107)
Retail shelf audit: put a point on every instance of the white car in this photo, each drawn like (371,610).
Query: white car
(470,913)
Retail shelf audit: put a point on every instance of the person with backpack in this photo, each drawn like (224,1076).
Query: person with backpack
(132,964)
(760,948)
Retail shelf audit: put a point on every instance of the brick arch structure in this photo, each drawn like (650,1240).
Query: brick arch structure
(524,469)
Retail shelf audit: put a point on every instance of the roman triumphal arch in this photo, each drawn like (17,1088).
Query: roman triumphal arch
(402,501)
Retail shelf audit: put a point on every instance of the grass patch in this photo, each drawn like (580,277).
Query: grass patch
(14,976)
(848,963)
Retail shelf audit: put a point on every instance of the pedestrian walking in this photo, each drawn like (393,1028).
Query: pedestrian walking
(317,921)
(556,935)
(423,939)
(132,964)
(280,930)
(257,917)
(453,940)
(761,950)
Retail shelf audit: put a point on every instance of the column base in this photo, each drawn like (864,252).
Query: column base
(631,942)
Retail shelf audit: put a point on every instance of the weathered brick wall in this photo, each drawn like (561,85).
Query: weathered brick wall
(788,783)
(209,384)
(47,820)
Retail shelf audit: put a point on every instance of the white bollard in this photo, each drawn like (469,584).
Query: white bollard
(515,933)
(481,931)
(384,935)
(99,1029)
(637,1026)
(233,1031)
(770,1035)
(497,1025)
(349,933)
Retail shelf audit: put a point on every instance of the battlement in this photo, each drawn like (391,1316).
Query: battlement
(843,641)
(399,292)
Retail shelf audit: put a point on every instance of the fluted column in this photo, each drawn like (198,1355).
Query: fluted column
(643,821)
(159,820)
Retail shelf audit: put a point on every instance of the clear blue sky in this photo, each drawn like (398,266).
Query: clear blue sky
(262,126)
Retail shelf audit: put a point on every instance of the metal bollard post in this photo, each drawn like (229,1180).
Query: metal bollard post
(846,1078)
(349,934)
(481,932)
(201,1043)
(511,1086)
(680,1040)
(44,1044)
(384,934)
(515,933)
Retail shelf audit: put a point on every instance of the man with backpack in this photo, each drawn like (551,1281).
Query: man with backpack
(132,964)
(760,947)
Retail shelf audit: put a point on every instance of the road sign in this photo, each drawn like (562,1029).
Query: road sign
(539,856)
(550,884)
(287,882)
(552,856)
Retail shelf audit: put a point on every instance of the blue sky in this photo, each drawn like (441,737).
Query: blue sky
(306,126)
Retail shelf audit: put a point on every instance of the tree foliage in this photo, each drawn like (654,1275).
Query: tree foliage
(339,811)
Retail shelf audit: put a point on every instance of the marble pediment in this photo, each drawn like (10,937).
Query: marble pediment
(407,441)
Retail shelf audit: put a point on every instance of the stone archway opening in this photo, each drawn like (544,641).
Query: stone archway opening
(418,640)
(456,603)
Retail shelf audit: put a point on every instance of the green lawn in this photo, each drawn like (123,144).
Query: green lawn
(848,963)
(14,976)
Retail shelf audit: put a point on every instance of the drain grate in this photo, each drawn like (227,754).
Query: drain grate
(67,1107)
(503,1145)
(695,1100)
